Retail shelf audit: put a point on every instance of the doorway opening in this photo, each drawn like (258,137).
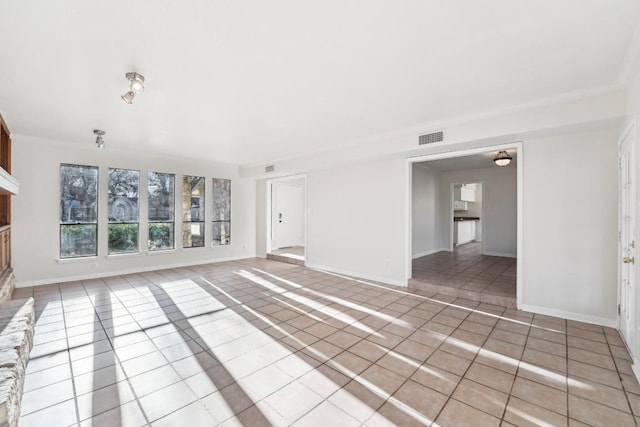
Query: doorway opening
(466,218)
(466,225)
(286,230)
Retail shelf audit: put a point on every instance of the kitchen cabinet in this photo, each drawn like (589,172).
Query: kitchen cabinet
(466,232)
(468,193)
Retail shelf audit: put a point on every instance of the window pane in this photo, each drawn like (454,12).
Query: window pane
(221,199)
(221,211)
(192,234)
(193,188)
(161,196)
(123,238)
(160,236)
(78,240)
(78,194)
(123,195)
(221,233)
(192,198)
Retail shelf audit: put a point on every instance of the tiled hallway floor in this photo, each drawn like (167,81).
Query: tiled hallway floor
(258,342)
(465,272)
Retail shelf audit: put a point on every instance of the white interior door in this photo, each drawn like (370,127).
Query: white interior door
(627,237)
(287,215)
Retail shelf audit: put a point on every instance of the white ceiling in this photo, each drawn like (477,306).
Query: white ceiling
(476,161)
(248,81)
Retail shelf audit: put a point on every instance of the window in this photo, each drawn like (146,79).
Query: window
(192,211)
(123,210)
(161,211)
(78,211)
(221,211)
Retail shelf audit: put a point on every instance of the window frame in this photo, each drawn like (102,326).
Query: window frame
(220,222)
(122,222)
(202,200)
(173,211)
(64,224)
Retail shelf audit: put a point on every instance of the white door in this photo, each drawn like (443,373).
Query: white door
(287,215)
(627,239)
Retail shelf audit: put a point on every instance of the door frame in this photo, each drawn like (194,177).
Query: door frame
(518,146)
(269,207)
(630,130)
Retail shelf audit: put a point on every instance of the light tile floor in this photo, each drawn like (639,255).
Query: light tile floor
(258,342)
(466,269)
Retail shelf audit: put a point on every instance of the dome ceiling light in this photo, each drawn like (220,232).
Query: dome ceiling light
(502,158)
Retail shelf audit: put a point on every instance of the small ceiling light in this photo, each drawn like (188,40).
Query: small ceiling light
(502,158)
(99,141)
(128,97)
(136,86)
(137,82)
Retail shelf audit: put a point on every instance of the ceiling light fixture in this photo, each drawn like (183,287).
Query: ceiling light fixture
(128,97)
(99,141)
(502,158)
(136,86)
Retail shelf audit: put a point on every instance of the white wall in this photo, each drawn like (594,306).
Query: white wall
(570,225)
(425,202)
(261,218)
(499,220)
(356,219)
(35,212)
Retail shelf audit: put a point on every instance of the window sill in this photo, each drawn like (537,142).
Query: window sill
(129,254)
(195,249)
(161,252)
(75,260)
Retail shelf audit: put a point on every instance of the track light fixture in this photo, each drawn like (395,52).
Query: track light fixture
(136,86)
(99,141)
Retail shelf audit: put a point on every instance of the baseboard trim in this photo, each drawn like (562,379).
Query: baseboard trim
(578,317)
(357,275)
(500,254)
(42,282)
(431,252)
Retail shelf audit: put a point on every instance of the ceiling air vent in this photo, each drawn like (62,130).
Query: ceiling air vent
(270,168)
(430,138)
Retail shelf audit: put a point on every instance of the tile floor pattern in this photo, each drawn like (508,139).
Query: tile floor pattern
(258,342)
(466,268)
